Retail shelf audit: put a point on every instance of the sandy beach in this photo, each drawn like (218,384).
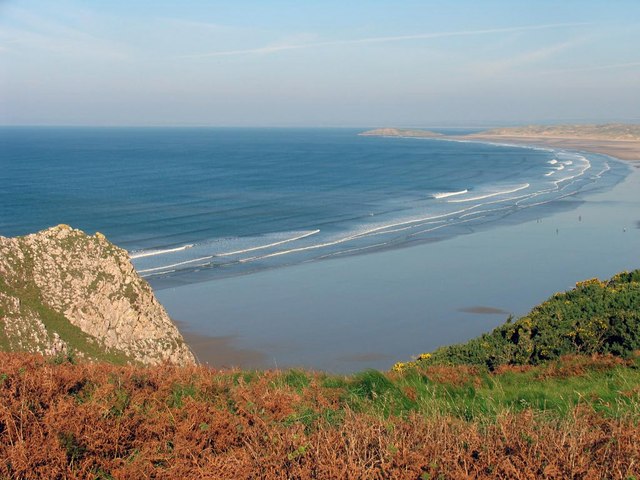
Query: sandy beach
(621,149)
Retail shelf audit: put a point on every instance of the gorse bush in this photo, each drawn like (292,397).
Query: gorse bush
(594,317)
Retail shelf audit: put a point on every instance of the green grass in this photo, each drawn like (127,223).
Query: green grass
(53,321)
(609,388)
(180,392)
(610,392)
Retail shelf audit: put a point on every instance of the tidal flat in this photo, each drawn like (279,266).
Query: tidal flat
(369,311)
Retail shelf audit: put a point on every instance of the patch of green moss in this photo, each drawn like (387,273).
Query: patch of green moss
(100,278)
(130,293)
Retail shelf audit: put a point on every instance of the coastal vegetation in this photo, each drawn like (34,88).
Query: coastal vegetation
(595,317)
(555,394)
(576,417)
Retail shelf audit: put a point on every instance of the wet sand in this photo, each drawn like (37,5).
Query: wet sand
(221,352)
(482,310)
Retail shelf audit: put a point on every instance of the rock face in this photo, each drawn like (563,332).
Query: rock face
(63,291)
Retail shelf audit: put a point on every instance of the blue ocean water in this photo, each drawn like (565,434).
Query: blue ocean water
(192,204)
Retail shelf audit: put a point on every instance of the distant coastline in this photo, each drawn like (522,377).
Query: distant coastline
(399,132)
(617,140)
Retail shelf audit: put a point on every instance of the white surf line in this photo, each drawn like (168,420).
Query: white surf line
(175,264)
(253,249)
(438,196)
(558,188)
(443,226)
(384,232)
(487,142)
(350,237)
(552,200)
(482,197)
(159,252)
(484,211)
(351,250)
(581,173)
(159,273)
(385,229)
(606,169)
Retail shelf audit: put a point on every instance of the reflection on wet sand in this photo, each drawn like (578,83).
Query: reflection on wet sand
(481,310)
(221,352)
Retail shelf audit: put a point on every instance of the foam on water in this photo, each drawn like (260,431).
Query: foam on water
(488,202)
(449,194)
(492,194)
(151,253)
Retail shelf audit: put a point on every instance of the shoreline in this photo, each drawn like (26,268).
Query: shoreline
(626,150)
(231,346)
(294,313)
(535,143)
(621,141)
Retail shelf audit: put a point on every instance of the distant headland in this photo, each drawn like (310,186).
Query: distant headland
(619,140)
(399,132)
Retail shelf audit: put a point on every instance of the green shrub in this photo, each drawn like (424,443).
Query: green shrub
(594,317)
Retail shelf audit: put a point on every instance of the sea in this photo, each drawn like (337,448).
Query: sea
(191,204)
(206,206)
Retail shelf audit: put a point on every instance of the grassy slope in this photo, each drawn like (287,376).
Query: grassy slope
(574,417)
(509,404)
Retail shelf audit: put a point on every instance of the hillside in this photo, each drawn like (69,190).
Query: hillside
(611,131)
(532,399)
(575,418)
(596,317)
(65,293)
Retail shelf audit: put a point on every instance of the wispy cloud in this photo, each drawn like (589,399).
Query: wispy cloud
(268,49)
(36,32)
(530,57)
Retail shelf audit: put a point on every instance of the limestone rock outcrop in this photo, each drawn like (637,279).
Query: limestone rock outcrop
(64,291)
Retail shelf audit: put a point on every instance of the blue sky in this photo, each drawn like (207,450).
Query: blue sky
(318,63)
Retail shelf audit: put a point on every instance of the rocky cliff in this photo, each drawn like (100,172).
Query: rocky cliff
(64,292)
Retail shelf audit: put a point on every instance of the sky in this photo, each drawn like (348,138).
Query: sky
(319,63)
